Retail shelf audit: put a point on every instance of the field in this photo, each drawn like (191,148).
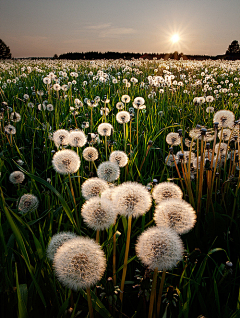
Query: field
(87,147)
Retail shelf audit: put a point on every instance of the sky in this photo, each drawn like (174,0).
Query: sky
(42,28)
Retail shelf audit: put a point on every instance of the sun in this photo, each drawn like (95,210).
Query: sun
(175,38)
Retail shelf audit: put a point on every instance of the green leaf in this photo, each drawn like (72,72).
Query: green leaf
(22,295)
(22,246)
(50,187)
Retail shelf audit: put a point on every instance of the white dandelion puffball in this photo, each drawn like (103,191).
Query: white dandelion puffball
(9,129)
(176,214)
(108,171)
(66,161)
(15,117)
(123,117)
(61,137)
(119,157)
(98,213)
(57,241)
(173,139)
(166,190)
(16,177)
(160,248)
(105,129)
(93,187)
(79,263)
(77,138)
(27,203)
(90,154)
(132,199)
(125,99)
(108,193)
(225,118)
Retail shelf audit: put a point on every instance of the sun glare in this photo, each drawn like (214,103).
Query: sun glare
(175,38)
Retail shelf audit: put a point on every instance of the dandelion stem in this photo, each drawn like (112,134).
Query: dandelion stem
(153,293)
(160,293)
(126,257)
(89,303)
(97,236)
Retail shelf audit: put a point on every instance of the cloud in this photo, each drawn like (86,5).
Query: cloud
(115,32)
(106,30)
(99,26)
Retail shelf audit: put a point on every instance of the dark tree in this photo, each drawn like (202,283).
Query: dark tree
(233,48)
(55,56)
(4,51)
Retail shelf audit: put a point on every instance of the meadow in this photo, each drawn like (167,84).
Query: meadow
(119,186)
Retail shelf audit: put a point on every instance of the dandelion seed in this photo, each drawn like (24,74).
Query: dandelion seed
(119,157)
(66,161)
(223,148)
(125,99)
(10,130)
(108,171)
(77,138)
(57,241)
(93,187)
(225,118)
(105,129)
(79,263)
(160,248)
(15,117)
(123,117)
(173,139)
(27,203)
(132,198)
(61,137)
(98,213)
(226,133)
(166,190)
(169,160)
(120,105)
(176,214)
(16,177)
(90,154)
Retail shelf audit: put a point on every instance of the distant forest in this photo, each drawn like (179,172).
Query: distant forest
(127,56)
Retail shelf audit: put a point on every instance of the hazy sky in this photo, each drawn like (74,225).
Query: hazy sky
(45,27)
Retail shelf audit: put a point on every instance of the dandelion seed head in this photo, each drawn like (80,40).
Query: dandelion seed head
(119,157)
(119,105)
(223,148)
(57,241)
(123,117)
(160,248)
(226,133)
(125,99)
(225,118)
(169,160)
(93,187)
(10,130)
(173,139)
(77,138)
(108,171)
(166,190)
(176,214)
(61,137)
(16,177)
(132,199)
(105,129)
(66,161)
(27,203)
(99,213)
(15,117)
(90,154)
(79,263)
